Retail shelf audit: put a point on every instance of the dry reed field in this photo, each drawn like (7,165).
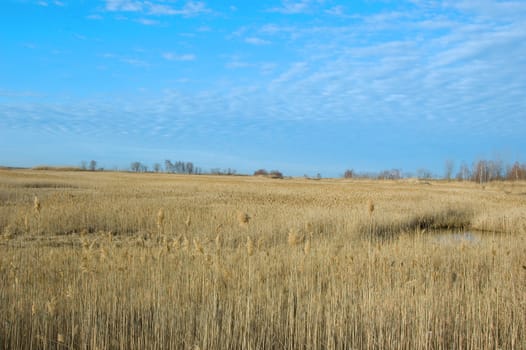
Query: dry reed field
(94,260)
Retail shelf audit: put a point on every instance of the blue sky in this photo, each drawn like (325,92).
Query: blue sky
(303,86)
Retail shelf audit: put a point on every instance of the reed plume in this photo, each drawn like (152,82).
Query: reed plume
(306,248)
(198,247)
(219,241)
(37,206)
(160,220)
(370,207)
(185,244)
(51,306)
(243,218)
(293,238)
(250,246)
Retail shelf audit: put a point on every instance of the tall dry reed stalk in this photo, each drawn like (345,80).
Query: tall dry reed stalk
(250,246)
(306,248)
(37,207)
(370,210)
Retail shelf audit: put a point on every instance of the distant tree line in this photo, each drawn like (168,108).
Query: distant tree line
(227,171)
(481,171)
(392,174)
(181,167)
(178,167)
(484,171)
(138,167)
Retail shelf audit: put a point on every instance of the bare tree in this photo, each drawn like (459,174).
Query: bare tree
(516,172)
(157,167)
(448,169)
(189,168)
(495,170)
(92,165)
(423,173)
(464,172)
(348,174)
(480,171)
(393,174)
(135,166)
(168,166)
(179,167)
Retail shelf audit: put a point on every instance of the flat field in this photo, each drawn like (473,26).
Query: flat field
(93,260)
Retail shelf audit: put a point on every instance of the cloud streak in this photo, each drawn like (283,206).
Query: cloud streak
(256,41)
(157,8)
(447,73)
(170,56)
(295,7)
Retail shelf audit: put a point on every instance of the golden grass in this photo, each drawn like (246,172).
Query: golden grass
(157,261)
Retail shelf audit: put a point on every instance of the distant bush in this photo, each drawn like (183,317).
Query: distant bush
(261,172)
(275,174)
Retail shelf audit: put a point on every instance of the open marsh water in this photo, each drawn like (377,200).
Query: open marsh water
(456,237)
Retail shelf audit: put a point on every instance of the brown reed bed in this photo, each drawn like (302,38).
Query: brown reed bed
(102,266)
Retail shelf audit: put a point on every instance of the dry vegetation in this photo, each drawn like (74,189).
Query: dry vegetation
(159,261)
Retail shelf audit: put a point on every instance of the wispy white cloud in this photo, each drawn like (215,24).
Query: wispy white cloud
(148,22)
(193,8)
(127,59)
(454,63)
(236,63)
(204,29)
(170,56)
(124,5)
(157,8)
(502,10)
(47,3)
(295,70)
(293,7)
(256,41)
(338,11)
(95,17)
(161,9)
(19,94)
(264,68)
(135,62)
(444,73)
